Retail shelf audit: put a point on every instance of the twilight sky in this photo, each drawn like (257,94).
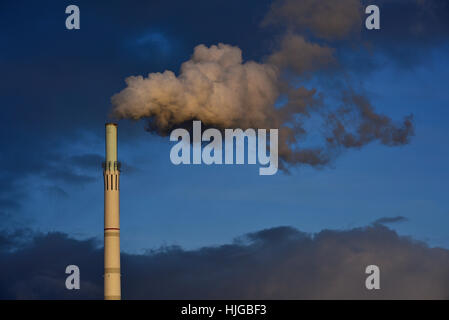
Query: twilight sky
(56,88)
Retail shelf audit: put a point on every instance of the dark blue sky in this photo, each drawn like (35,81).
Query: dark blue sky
(56,87)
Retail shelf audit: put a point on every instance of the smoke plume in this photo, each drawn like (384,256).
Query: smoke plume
(326,19)
(217,87)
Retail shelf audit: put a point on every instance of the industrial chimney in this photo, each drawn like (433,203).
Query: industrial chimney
(111,173)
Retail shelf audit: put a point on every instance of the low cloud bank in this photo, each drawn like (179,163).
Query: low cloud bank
(276,263)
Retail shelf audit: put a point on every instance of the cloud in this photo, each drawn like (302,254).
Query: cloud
(50,173)
(64,174)
(90,161)
(14,239)
(276,263)
(37,271)
(388,220)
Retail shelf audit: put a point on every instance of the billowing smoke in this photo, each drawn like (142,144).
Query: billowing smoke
(217,87)
(214,87)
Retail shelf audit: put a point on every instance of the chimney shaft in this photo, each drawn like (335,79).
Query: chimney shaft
(111,174)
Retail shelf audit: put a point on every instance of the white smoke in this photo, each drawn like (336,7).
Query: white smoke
(217,87)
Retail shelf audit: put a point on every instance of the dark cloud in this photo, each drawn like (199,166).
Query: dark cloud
(37,271)
(277,263)
(15,239)
(50,172)
(91,161)
(388,220)
(67,176)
